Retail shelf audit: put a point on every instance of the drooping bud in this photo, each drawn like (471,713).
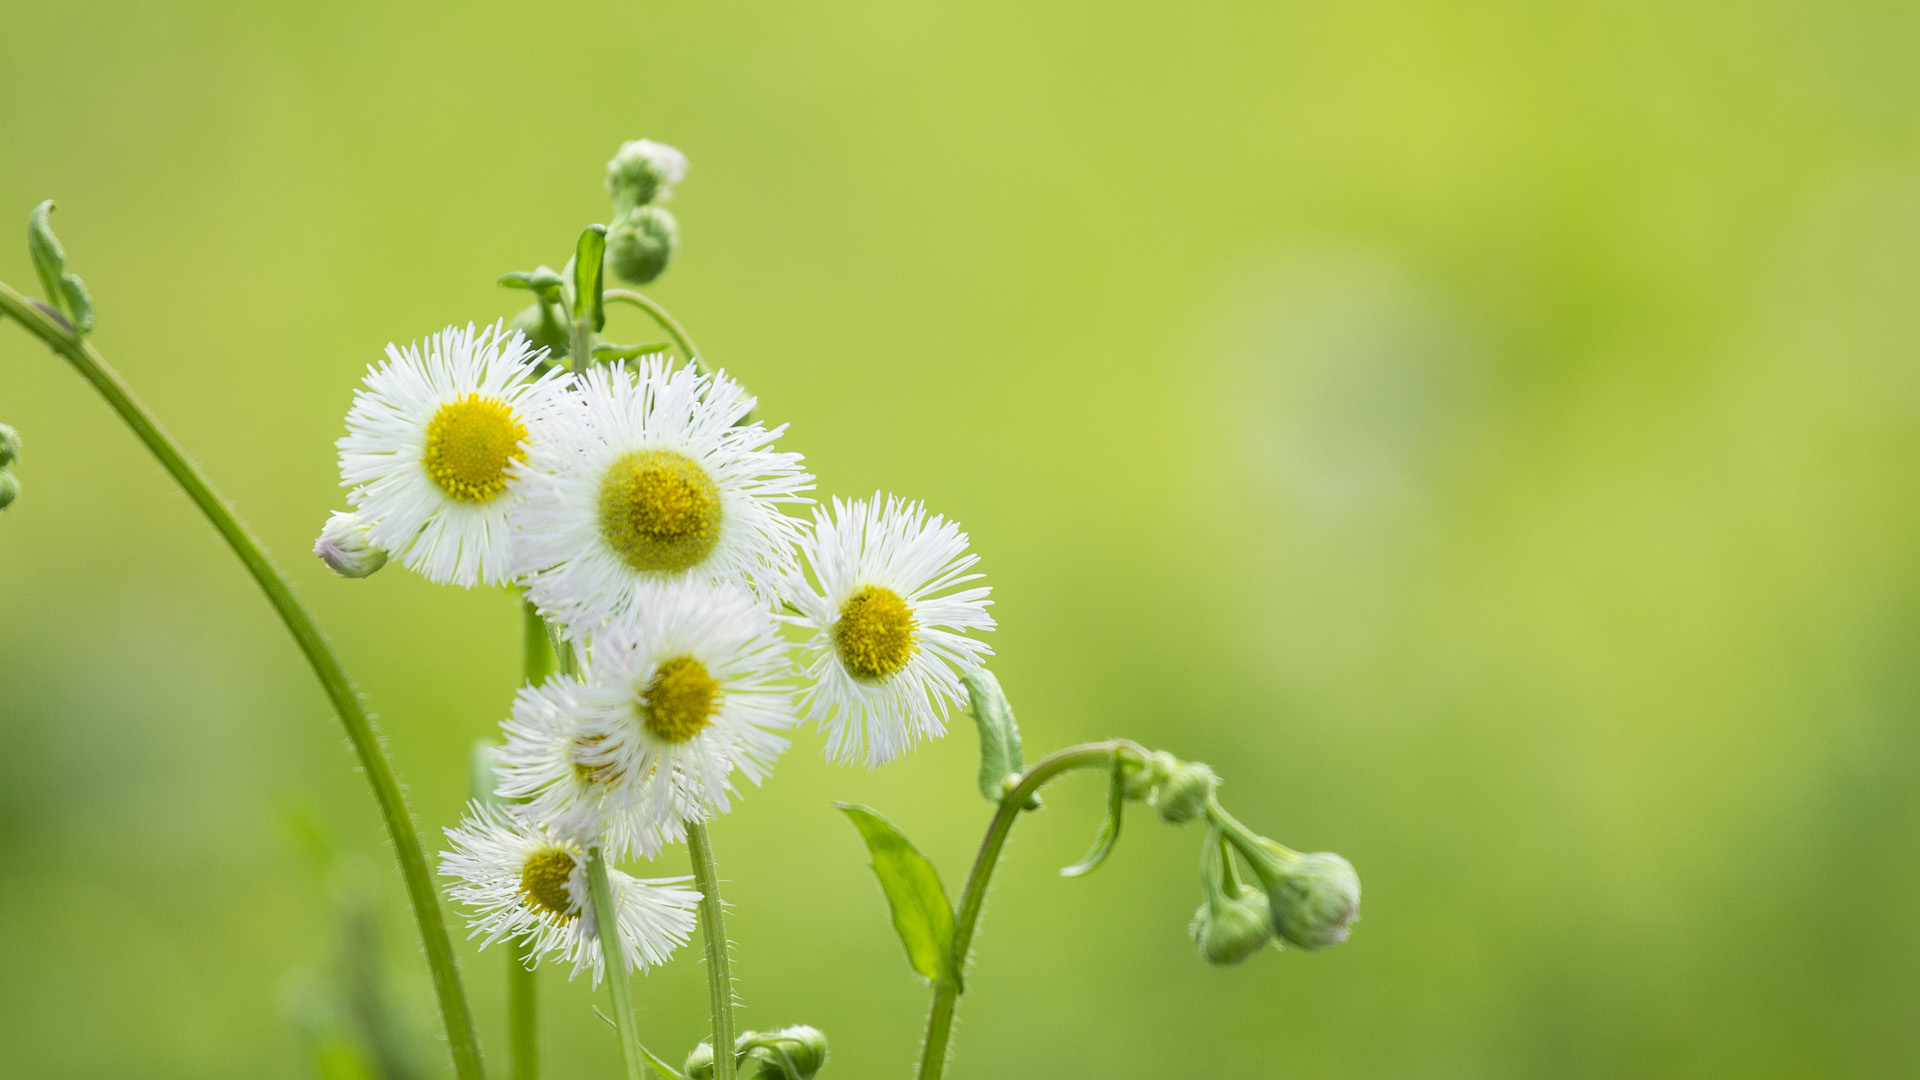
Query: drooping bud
(541,325)
(791,1053)
(641,242)
(343,546)
(9,488)
(9,446)
(1315,898)
(1233,921)
(1185,792)
(642,172)
(1179,791)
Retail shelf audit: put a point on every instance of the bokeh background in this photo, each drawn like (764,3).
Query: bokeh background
(1485,431)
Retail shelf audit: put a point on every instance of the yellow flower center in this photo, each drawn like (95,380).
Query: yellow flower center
(470,443)
(876,635)
(680,700)
(659,510)
(543,883)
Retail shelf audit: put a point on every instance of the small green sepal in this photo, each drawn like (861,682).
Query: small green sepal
(922,915)
(607,352)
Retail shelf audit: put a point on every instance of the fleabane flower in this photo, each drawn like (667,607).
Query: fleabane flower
(669,705)
(527,882)
(435,442)
(888,626)
(652,478)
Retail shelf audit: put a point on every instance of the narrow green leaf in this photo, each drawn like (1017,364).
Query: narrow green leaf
(1110,831)
(921,914)
(78,302)
(589,274)
(606,351)
(1000,754)
(49,258)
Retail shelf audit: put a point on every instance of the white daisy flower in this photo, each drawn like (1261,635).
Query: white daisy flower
(668,706)
(434,446)
(529,883)
(653,477)
(888,649)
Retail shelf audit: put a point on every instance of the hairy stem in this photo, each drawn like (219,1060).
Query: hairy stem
(613,961)
(667,322)
(374,762)
(523,1014)
(946,995)
(706,878)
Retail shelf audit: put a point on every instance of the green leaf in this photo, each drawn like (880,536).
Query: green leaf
(1110,831)
(1000,755)
(606,351)
(921,914)
(544,281)
(589,275)
(66,291)
(49,258)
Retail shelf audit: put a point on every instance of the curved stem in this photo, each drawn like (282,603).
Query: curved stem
(320,656)
(706,877)
(946,995)
(613,961)
(667,322)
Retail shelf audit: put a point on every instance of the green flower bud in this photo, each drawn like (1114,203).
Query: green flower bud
(9,446)
(343,546)
(643,172)
(641,243)
(1233,921)
(9,488)
(1184,793)
(791,1053)
(699,1063)
(1315,898)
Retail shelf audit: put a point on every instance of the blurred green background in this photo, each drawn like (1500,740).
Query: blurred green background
(1485,431)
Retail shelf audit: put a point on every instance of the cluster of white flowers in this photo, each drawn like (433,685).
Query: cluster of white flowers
(645,517)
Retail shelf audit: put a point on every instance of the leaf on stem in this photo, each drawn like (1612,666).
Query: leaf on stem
(1000,755)
(1110,831)
(607,352)
(65,291)
(921,913)
(589,277)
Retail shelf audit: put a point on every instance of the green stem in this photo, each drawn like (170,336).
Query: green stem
(613,961)
(320,656)
(667,322)
(523,1014)
(523,985)
(946,995)
(706,878)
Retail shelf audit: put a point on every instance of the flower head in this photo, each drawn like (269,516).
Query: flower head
(652,478)
(527,882)
(668,706)
(888,642)
(434,448)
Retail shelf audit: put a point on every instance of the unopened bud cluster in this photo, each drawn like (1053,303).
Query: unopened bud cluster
(9,451)
(791,1053)
(642,238)
(1309,901)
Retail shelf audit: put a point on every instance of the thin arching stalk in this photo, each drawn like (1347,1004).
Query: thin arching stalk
(313,645)
(946,993)
(613,962)
(667,322)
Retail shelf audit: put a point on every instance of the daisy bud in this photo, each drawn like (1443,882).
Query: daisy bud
(699,1063)
(1233,921)
(343,546)
(640,244)
(1315,898)
(1178,790)
(9,446)
(791,1053)
(9,488)
(644,171)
